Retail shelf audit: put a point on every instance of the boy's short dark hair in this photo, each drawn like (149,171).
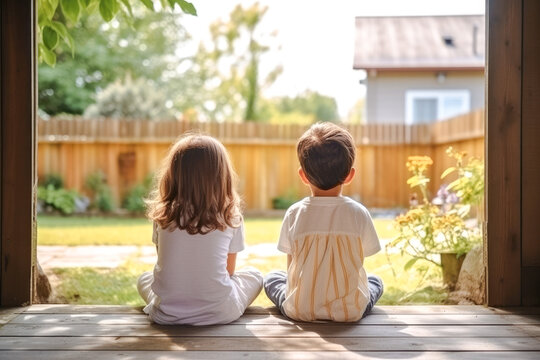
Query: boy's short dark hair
(326,153)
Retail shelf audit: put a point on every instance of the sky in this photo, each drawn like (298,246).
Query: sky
(316,38)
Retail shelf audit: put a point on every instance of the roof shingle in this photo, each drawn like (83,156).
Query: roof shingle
(420,42)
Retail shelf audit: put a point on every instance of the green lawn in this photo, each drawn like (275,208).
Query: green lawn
(75,231)
(420,284)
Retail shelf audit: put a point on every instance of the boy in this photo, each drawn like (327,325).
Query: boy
(326,237)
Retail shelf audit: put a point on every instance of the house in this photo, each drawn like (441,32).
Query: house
(421,69)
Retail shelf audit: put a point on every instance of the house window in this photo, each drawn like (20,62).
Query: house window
(427,106)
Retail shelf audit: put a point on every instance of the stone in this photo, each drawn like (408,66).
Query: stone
(471,284)
(42,286)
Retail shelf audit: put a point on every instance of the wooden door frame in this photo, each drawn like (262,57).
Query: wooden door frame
(512,151)
(506,283)
(18,150)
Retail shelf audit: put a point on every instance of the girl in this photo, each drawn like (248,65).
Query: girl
(198,229)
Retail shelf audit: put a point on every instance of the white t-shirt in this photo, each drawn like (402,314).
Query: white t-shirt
(191,281)
(328,238)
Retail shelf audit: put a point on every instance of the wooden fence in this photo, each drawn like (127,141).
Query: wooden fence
(263,155)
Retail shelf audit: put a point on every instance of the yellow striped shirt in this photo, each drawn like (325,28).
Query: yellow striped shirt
(327,238)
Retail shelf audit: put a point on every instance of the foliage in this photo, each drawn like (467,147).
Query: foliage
(428,229)
(283,202)
(130,99)
(55,180)
(469,186)
(102,197)
(305,108)
(356,114)
(59,199)
(323,108)
(144,47)
(134,200)
(226,76)
(55,17)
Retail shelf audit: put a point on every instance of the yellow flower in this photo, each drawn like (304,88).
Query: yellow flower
(419,163)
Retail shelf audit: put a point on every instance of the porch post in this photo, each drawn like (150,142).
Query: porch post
(18,150)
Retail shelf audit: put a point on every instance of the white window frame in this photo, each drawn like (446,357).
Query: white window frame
(440,95)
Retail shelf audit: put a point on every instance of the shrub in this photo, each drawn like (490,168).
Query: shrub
(96,182)
(283,202)
(134,200)
(55,180)
(58,199)
(132,99)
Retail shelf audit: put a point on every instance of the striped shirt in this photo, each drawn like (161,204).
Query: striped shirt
(328,238)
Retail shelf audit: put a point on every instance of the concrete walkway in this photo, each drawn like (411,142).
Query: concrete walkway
(113,256)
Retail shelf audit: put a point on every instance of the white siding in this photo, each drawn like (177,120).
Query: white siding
(385,100)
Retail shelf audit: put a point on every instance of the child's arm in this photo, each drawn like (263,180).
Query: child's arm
(231,263)
(289,260)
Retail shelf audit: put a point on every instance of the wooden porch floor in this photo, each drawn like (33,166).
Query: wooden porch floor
(417,332)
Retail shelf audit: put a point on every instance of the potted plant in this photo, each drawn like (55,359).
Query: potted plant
(434,231)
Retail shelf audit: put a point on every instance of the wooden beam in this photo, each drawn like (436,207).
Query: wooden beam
(504,152)
(18,105)
(530,152)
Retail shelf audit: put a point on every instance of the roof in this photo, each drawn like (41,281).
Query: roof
(420,42)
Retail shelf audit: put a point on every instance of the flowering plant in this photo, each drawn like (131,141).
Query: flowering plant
(469,186)
(430,228)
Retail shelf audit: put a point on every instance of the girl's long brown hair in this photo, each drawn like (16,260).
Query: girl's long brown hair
(195,190)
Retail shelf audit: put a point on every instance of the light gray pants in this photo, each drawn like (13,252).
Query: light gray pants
(248,282)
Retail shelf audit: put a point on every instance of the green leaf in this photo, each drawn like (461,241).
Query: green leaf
(47,55)
(417,181)
(71,9)
(187,7)
(410,263)
(50,37)
(128,6)
(48,7)
(108,9)
(453,184)
(91,6)
(71,44)
(448,171)
(60,28)
(149,4)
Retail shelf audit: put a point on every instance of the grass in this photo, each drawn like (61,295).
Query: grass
(421,284)
(78,231)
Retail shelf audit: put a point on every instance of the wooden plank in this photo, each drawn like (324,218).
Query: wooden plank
(503,185)
(8,314)
(269,355)
(379,309)
(131,319)
(531,147)
(134,343)
(300,330)
(18,151)
(255,194)
(531,285)
(530,310)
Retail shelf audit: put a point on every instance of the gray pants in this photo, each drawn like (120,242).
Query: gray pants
(275,284)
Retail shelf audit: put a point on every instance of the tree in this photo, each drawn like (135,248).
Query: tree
(53,15)
(357,112)
(308,107)
(228,71)
(130,99)
(144,47)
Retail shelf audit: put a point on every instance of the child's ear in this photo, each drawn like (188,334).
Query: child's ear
(303,176)
(349,177)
